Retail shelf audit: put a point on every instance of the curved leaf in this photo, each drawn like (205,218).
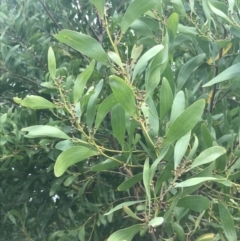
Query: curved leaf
(135,10)
(125,234)
(124,94)
(208,155)
(185,122)
(42,131)
(35,102)
(51,63)
(227,74)
(196,180)
(130,182)
(178,106)
(83,43)
(70,157)
(156,222)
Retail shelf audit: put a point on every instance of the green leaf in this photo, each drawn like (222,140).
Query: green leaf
(115,58)
(124,94)
(196,180)
(125,234)
(178,7)
(55,185)
(206,237)
(194,202)
(135,10)
(119,206)
(227,74)
(130,182)
(180,149)
(129,212)
(107,164)
(179,231)
(194,148)
(208,155)
(83,43)
(35,102)
(172,26)
(142,62)
(185,122)
(99,4)
(81,82)
(166,98)
(227,222)
(42,131)
(188,69)
(91,107)
(51,63)
(178,106)
(118,123)
(218,12)
(156,222)
(206,135)
(69,180)
(146,178)
(104,108)
(70,157)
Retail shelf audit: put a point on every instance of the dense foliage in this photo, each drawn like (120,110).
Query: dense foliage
(119,120)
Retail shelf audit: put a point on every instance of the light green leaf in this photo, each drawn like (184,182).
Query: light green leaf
(70,157)
(227,74)
(172,26)
(91,107)
(206,135)
(99,4)
(119,206)
(124,94)
(104,108)
(187,30)
(125,234)
(81,81)
(185,122)
(208,236)
(194,202)
(218,12)
(178,7)
(178,106)
(136,52)
(130,182)
(180,149)
(115,58)
(135,10)
(83,43)
(35,102)
(146,178)
(156,222)
(196,180)
(194,148)
(51,63)
(142,62)
(129,212)
(118,123)
(42,131)
(208,155)
(166,98)
(227,222)
(188,69)
(105,165)
(231,4)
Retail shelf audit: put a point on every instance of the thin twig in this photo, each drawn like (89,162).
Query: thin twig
(49,14)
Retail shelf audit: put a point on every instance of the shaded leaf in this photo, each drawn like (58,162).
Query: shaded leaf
(99,4)
(129,212)
(130,182)
(194,202)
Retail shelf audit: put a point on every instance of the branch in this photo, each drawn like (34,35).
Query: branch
(50,15)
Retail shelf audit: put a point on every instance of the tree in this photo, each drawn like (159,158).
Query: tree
(119,120)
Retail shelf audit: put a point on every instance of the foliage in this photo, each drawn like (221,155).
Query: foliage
(119,120)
